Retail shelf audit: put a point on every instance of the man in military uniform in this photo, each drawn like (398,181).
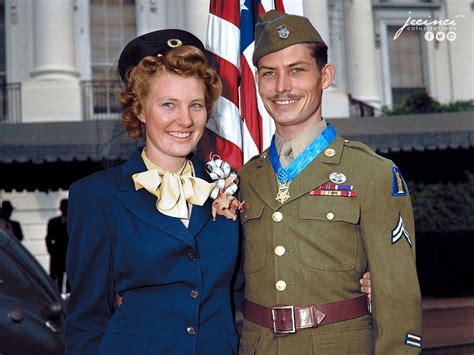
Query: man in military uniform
(322,211)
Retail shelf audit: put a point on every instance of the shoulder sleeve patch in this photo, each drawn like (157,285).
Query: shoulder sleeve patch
(398,184)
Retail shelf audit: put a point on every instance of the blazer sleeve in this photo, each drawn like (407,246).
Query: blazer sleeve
(89,270)
(387,226)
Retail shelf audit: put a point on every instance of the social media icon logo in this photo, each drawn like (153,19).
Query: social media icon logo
(440,36)
(429,36)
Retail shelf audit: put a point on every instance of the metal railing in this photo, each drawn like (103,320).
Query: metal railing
(10,102)
(100,100)
(361,109)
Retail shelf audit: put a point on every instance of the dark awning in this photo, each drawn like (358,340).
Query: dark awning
(411,132)
(78,141)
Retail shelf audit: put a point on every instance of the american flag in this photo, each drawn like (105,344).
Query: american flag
(242,126)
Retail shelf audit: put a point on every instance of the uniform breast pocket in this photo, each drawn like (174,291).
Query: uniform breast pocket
(254,237)
(328,233)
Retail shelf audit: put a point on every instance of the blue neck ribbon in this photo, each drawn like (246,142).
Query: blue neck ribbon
(320,143)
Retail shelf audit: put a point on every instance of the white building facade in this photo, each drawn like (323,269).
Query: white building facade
(383,50)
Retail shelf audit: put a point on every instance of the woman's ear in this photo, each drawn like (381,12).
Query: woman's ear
(141,117)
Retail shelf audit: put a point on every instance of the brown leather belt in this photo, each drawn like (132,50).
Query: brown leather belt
(284,319)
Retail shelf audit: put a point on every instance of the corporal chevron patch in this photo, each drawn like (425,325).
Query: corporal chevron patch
(399,231)
(413,340)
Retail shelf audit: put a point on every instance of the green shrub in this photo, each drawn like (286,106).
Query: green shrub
(444,222)
(423,103)
(444,206)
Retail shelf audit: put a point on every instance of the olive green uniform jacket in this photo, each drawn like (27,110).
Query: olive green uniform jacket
(329,242)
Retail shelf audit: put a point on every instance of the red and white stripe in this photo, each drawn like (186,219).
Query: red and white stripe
(240,121)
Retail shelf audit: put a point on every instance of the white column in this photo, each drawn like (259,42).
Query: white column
(53,94)
(196,14)
(317,13)
(461,49)
(360,39)
(82,36)
(151,15)
(18,40)
(335,102)
(54,40)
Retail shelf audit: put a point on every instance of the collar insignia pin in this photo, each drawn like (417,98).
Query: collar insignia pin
(337,178)
(283,32)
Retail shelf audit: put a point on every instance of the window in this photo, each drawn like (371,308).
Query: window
(113,24)
(406,64)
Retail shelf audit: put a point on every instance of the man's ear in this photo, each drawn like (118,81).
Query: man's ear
(327,75)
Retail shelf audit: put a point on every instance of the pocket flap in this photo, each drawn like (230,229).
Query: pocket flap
(340,211)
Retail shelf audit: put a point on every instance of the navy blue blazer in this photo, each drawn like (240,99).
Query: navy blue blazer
(175,282)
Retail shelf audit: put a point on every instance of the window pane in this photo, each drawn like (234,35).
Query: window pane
(113,24)
(406,63)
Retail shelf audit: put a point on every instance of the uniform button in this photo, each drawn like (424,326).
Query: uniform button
(330,216)
(280,250)
(192,255)
(191,330)
(277,217)
(329,152)
(346,141)
(193,294)
(280,285)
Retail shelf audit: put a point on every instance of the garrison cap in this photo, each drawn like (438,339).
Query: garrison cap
(154,43)
(276,30)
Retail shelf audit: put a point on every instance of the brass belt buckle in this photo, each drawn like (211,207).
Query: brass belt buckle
(285,309)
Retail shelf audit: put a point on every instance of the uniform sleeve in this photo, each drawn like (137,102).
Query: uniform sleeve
(387,226)
(88,266)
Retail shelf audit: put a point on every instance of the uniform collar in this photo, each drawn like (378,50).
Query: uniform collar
(301,141)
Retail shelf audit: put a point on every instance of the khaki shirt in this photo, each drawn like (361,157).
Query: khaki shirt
(322,245)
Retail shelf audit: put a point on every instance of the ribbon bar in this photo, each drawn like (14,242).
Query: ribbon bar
(335,187)
(343,193)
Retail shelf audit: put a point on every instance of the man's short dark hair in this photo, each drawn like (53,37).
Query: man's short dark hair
(319,51)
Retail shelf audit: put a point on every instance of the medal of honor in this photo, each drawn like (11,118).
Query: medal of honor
(285,176)
(283,192)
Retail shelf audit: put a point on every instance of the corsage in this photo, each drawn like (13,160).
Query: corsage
(225,204)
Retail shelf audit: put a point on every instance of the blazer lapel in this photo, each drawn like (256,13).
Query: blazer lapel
(200,214)
(143,204)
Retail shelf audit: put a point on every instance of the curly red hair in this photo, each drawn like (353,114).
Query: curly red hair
(183,61)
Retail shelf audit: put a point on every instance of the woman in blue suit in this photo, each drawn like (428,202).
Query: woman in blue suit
(141,233)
